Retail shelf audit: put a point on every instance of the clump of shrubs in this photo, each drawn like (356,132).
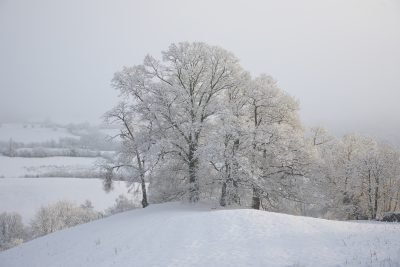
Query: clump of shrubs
(122,203)
(52,218)
(12,230)
(61,215)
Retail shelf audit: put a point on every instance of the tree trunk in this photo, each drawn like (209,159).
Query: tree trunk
(370,208)
(236,197)
(193,186)
(145,203)
(222,200)
(256,200)
(140,163)
(376,197)
(194,195)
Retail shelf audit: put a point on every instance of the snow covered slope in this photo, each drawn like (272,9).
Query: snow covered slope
(181,235)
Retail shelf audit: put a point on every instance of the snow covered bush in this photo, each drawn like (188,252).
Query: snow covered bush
(122,203)
(12,230)
(60,215)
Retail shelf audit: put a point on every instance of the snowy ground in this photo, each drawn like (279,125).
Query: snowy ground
(179,235)
(20,167)
(27,195)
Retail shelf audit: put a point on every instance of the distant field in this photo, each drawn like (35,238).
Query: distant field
(12,167)
(25,195)
(23,192)
(25,133)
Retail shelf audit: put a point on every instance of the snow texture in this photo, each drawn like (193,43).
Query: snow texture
(181,235)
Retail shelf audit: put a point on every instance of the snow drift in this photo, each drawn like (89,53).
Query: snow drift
(174,234)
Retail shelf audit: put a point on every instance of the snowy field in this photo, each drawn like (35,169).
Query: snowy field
(25,133)
(21,167)
(27,195)
(180,235)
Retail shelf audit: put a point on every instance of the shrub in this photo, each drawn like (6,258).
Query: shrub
(12,230)
(60,215)
(122,203)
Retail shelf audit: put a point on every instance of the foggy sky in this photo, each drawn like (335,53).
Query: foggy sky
(339,58)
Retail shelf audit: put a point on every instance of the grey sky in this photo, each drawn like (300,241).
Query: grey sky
(339,58)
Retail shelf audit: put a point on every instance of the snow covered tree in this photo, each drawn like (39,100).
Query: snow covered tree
(273,141)
(359,176)
(12,230)
(377,167)
(137,154)
(182,94)
(194,124)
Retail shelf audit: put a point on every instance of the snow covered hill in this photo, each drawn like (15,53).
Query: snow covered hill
(174,234)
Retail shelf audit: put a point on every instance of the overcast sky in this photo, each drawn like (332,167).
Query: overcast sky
(339,58)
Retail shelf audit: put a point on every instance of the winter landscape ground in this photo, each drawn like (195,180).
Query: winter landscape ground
(174,234)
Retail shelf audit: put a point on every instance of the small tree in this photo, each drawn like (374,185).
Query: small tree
(12,230)
(137,155)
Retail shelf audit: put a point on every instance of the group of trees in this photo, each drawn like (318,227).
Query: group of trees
(195,125)
(361,175)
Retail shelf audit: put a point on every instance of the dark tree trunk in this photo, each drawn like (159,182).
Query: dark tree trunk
(376,197)
(222,200)
(370,207)
(236,197)
(256,200)
(145,203)
(193,184)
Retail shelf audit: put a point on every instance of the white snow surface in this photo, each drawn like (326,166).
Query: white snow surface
(26,195)
(25,133)
(19,167)
(174,234)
